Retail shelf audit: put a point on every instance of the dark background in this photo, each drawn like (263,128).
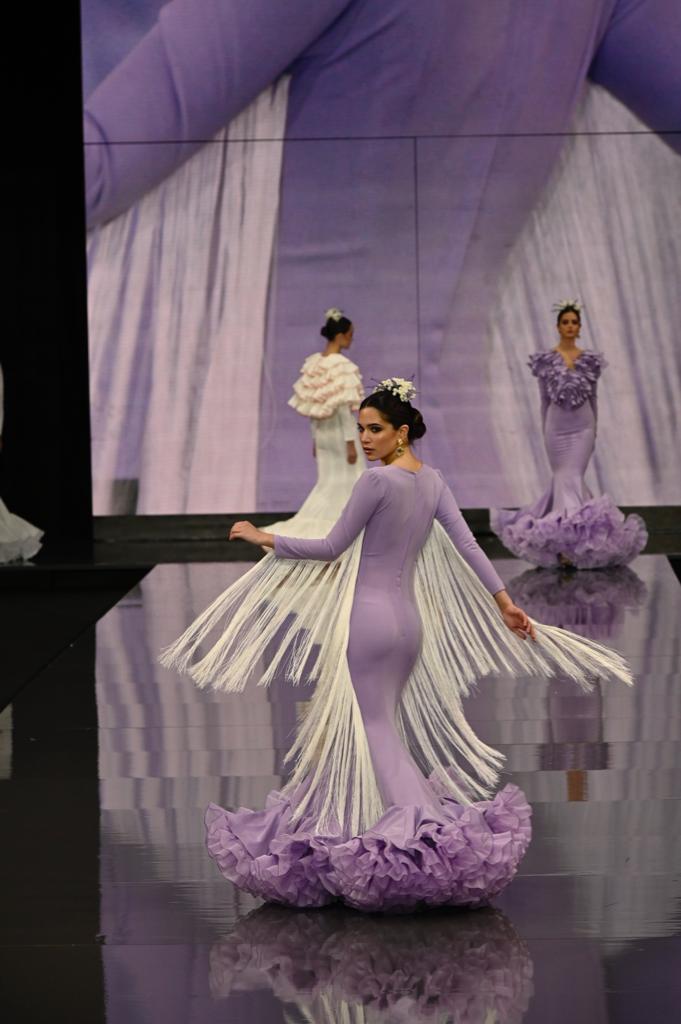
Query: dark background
(45,478)
(45,462)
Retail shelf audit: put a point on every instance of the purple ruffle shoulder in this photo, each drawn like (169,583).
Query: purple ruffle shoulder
(563,386)
(412,858)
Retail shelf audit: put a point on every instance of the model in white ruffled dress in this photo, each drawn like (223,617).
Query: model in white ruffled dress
(328,391)
(19,540)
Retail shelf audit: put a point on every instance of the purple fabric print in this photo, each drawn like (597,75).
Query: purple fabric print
(471,95)
(567,525)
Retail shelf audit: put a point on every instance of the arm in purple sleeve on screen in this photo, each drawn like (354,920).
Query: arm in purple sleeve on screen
(364,500)
(448,514)
(638,62)
(202,63)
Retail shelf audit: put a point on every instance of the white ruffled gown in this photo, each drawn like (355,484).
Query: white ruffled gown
(19,540)
(328,391)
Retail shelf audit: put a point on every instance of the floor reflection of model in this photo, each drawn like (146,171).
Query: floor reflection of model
(592,604)
(468,968)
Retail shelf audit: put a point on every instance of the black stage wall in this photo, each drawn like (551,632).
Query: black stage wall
(45,477)
(45,461)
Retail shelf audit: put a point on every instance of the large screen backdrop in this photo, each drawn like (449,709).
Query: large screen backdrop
(443,171)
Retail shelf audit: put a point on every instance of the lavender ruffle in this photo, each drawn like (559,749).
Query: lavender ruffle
(593,536)
(410,859)
(567,387)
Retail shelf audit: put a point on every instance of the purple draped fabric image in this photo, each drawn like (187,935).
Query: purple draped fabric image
(441,171)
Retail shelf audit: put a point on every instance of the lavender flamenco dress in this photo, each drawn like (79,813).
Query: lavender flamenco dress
(391,616)
(424,849)
(567,524)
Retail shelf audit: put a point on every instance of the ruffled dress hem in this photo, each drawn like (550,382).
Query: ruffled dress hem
(412,858)
(594,536)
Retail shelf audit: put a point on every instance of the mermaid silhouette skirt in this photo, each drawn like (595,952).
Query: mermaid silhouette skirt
(425,850)
(567,524)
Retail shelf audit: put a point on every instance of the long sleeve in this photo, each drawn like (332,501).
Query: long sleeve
(349,423)
(363,502)
(449,515)
(638,62)
(202,63)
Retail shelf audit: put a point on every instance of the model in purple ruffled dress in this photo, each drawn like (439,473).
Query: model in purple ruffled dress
(567,526)
(395,614)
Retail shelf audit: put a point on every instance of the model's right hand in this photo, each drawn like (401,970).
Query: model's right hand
(352,452)
(251,534)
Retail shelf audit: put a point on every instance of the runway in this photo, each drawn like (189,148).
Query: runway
(113,911)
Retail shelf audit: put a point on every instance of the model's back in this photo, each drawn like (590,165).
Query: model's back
(396,531)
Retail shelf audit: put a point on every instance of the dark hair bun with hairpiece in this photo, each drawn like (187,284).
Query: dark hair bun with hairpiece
(336,324)
(396,412)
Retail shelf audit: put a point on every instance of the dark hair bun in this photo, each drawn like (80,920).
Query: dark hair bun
(417,427)
(396,412)
(334,326)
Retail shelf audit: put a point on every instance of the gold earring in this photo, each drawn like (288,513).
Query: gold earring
(401,449)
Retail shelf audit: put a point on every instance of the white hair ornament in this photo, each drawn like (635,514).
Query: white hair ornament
(399,387)
(562,304)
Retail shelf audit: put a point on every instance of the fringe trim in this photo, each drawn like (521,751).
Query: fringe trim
(290,619)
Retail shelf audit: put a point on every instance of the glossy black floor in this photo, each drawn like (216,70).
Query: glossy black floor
(112,911)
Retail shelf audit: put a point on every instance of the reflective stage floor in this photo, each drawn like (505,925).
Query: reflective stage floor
(113,911)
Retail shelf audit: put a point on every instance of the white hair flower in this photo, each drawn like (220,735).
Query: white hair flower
(562,304)
(334,314)
(399,387)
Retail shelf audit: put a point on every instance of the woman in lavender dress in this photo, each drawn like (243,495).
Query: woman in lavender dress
(567,525)
(394,615)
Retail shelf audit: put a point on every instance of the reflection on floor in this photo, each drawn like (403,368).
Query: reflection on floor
(589,931)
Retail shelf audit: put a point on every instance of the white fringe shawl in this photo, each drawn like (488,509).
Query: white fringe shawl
(291,618)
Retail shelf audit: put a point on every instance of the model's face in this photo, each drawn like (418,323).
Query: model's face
(568,327)
(378,438)
(346,339)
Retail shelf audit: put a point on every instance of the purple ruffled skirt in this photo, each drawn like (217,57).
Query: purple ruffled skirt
(412,858)
(593,536)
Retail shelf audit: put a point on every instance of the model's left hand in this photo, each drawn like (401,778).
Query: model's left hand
(351,452)
(250,533)
(518,622)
